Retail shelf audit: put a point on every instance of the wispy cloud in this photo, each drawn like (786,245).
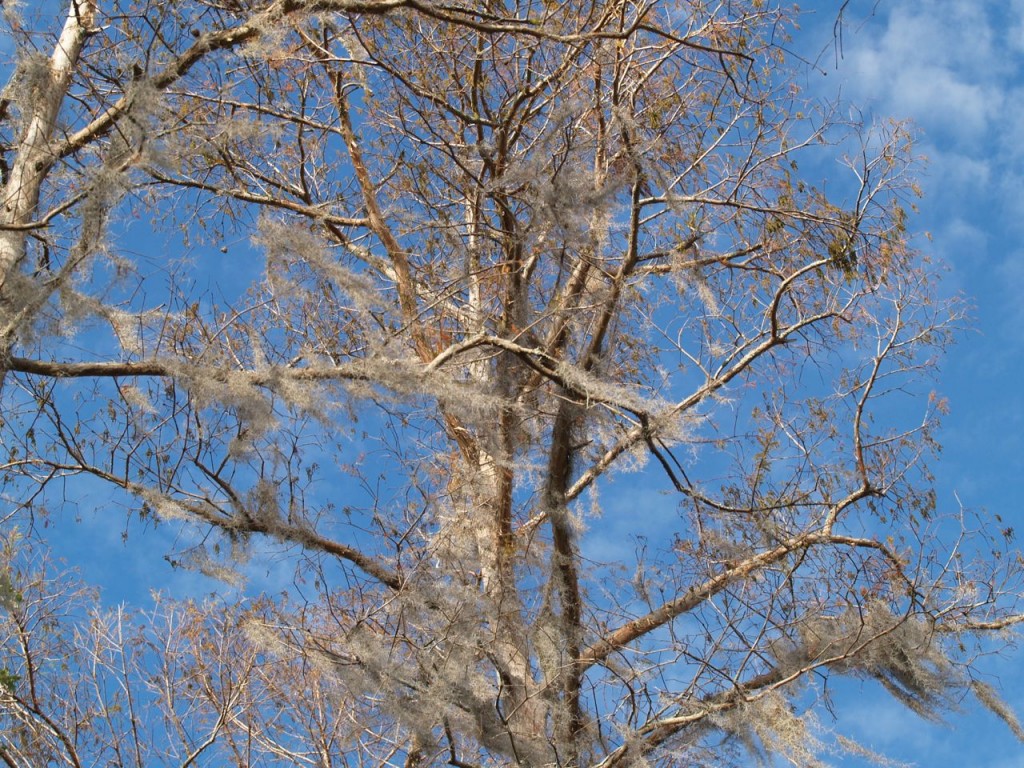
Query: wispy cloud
(954,68)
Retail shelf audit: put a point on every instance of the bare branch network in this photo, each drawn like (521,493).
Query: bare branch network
(573,362)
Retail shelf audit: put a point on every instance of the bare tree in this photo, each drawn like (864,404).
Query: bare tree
(401,285)
(179,684)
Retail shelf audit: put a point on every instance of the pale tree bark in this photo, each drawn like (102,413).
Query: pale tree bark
(34,156)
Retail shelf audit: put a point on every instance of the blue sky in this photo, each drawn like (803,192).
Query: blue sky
(953,67)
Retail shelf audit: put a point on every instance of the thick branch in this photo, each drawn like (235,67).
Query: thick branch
(276,528)
(695,595)
(70,370)
(398,257)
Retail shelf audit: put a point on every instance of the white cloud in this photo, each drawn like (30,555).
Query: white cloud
(921,66)
(1015,29)
(954,68)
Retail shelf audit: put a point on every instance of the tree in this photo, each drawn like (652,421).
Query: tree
(179,684)
(420,291)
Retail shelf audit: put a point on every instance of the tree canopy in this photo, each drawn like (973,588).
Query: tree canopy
(445,302)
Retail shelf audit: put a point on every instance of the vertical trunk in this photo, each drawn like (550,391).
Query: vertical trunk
(491,513)
(564,575)
(33,160)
